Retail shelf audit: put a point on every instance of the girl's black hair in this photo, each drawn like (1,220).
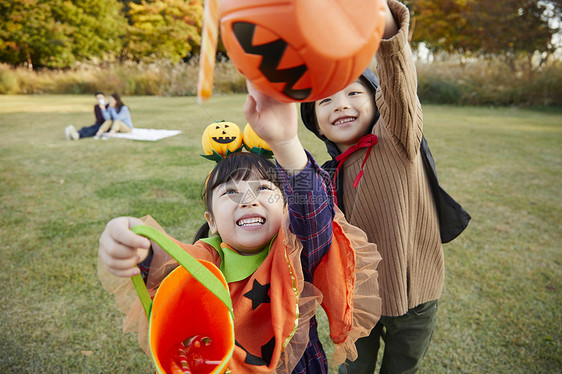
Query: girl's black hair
(236,166)
(119,104)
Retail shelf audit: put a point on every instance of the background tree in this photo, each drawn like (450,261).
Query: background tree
(437,23)
(126,6)
(99,28)
(57,33)
(510,28)
(164,29)
(25,26)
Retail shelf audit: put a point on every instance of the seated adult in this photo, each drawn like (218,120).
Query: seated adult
(89,131)
(117,117)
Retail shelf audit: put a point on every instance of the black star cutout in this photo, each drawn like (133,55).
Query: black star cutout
(266,352)
(258,294)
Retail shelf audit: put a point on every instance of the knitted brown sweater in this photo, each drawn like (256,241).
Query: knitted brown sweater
(393,202)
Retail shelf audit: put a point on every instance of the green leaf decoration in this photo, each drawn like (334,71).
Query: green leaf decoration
(214,157)
(235,151)
(217,157)
(260,151)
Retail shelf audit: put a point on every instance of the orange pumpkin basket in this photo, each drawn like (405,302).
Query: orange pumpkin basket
(191,329)
(301,50)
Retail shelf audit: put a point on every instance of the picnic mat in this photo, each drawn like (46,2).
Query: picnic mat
(147,134)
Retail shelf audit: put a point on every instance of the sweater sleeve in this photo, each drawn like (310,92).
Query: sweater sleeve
(311,211)
(397,97)
(124,115)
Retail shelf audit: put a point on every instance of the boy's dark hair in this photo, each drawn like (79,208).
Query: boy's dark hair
(99,93)
(236,166)
(308,113)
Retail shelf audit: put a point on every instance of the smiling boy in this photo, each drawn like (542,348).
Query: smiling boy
(374,134)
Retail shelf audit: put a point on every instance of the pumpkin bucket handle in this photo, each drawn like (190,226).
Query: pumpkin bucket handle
(194,267)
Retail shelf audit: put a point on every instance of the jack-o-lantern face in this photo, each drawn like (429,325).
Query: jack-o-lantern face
(221,138)
(301,50)
(255,144)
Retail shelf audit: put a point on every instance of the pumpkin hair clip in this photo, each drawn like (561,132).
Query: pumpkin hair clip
(253,143)
(223,138)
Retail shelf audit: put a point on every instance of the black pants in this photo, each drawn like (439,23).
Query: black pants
(89,131)
(406,339)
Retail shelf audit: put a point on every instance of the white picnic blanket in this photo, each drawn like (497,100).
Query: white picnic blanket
(147,134)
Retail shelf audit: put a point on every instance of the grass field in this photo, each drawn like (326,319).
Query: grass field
(501,306)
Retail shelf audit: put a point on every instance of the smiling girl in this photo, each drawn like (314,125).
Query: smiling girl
(283,247)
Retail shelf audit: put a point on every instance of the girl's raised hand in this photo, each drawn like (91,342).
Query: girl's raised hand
(272,120)
(277,124)
(120,249)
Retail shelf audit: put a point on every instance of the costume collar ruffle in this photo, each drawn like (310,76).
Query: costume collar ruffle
(235,266)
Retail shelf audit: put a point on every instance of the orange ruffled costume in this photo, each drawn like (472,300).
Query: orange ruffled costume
(273,306)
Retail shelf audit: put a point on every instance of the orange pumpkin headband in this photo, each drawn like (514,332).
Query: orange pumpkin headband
(223,138)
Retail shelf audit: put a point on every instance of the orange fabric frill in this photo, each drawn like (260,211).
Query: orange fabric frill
(357,260)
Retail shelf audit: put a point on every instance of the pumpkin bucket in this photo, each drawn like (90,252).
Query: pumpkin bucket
(190,318)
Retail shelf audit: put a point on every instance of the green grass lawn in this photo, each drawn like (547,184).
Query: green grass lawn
(501,306)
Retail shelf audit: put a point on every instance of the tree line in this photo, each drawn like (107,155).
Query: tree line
(481,28)
(60,33)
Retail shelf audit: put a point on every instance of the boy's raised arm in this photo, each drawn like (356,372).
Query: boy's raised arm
(390,26)
(397,98)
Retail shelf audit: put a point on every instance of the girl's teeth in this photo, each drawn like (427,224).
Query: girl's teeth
(256,221)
